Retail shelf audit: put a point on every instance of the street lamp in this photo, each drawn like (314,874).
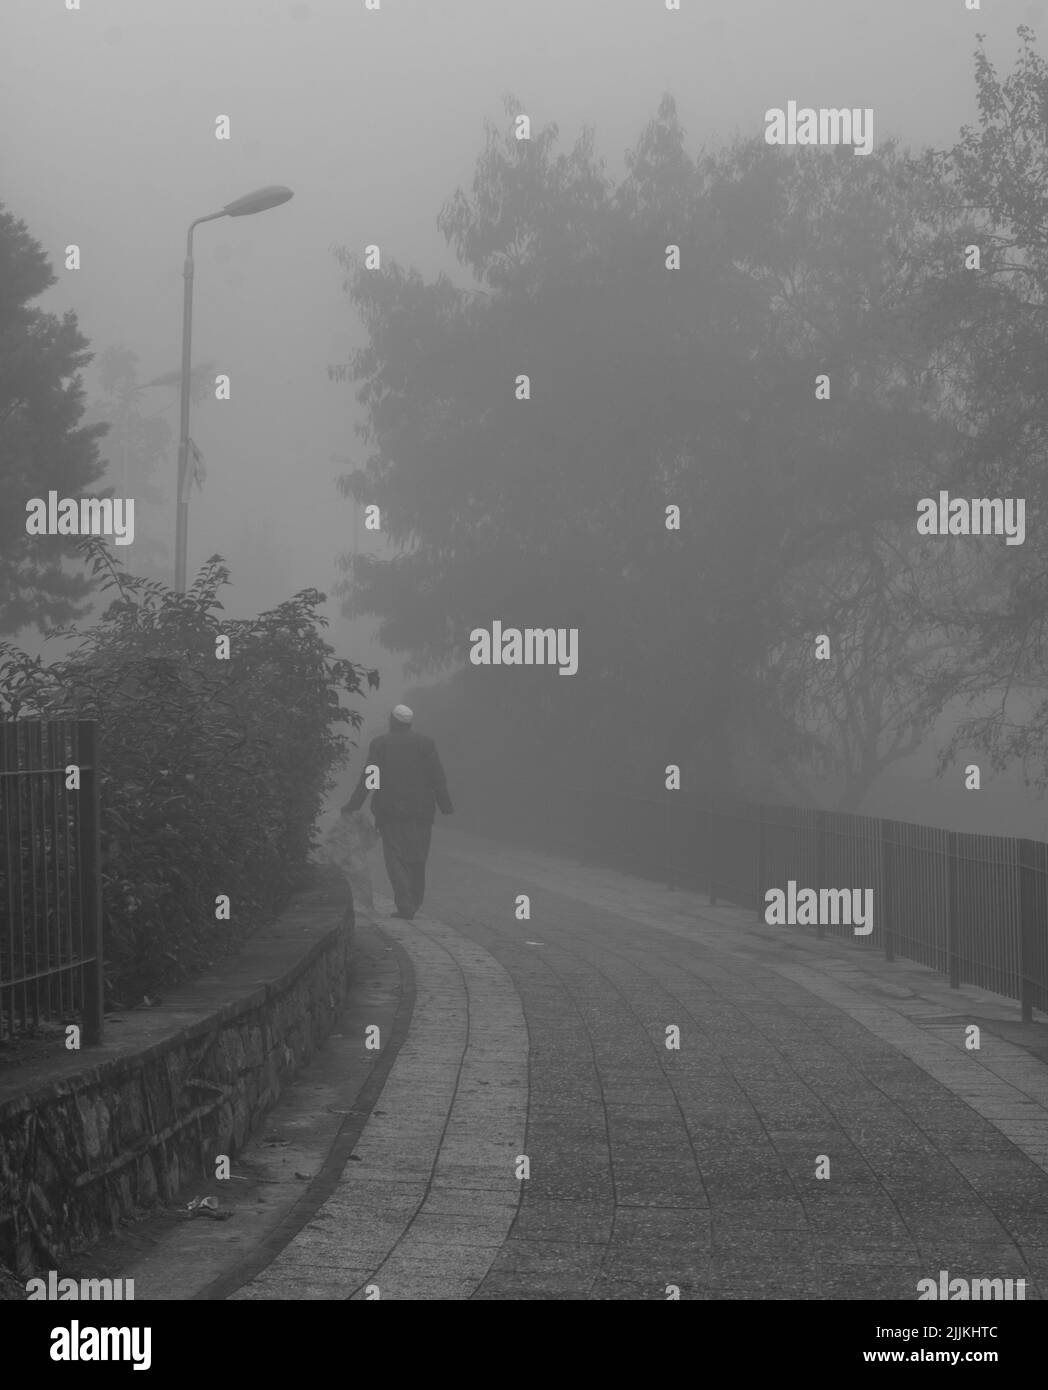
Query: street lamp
(263,198)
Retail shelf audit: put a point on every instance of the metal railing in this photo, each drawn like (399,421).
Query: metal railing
(973,907)
(50,878)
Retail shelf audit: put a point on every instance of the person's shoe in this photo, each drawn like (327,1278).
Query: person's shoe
(407,916)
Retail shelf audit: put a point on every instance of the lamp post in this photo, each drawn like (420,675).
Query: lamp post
(269,197)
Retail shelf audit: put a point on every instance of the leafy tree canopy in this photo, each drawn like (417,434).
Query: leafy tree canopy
(44,443)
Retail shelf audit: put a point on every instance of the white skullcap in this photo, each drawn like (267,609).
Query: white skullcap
(402,714)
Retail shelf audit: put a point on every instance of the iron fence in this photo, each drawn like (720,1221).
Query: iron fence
(50,879)
(973,907)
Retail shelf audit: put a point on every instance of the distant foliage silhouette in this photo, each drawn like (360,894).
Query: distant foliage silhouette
(213,771)
(46,440)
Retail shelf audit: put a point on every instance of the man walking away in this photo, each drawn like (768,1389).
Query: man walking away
(411,786)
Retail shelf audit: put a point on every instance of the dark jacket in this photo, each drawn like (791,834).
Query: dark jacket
(411,779)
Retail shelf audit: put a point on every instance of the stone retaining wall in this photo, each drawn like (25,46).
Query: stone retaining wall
(120,1128)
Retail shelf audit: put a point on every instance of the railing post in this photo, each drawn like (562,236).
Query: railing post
(1028,953)
(953,957)
(820,865)
(89,855)
(667,841)
(8,794)
(711,841)
(762,850)
(887,868)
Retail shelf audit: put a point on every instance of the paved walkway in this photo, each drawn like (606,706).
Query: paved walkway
(650,1167)
(431,1195)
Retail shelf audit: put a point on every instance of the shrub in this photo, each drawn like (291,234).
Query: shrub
(213,771)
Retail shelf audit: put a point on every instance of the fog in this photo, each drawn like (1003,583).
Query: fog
(373,119)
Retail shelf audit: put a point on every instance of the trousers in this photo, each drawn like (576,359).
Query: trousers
(405,848)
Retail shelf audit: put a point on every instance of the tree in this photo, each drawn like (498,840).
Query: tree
(849,252)
(43,443)
(993,323)
(650,387)
(829,725)
(136,447)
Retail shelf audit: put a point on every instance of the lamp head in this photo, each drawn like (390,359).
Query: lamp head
(263,198)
